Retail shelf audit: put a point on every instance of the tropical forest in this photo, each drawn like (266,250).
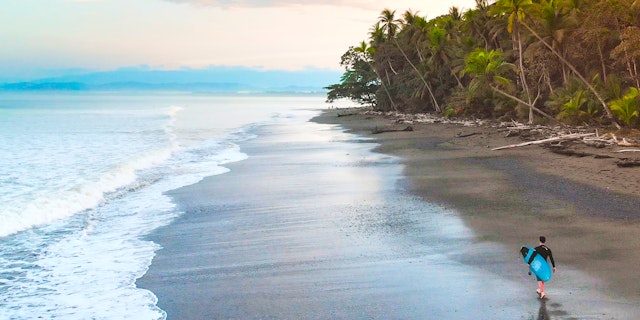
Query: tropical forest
(573,62)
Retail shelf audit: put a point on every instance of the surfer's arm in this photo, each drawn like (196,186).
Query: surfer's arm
(553,263)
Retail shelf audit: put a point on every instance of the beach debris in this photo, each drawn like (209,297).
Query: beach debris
(573,136)
(626,143)
(559,138)
(427,118)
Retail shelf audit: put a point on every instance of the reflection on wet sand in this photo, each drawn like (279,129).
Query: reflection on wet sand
(543,313)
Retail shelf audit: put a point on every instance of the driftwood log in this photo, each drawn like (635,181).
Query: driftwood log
(464,135)
(567,137)
(571,153)
(377,130)
(627,163)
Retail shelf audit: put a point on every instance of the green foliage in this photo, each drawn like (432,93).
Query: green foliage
(464,61)
(574,104)
(359,82)
(574,107)
(626,108)
(487,67)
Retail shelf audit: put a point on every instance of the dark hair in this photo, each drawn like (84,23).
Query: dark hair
(543,239)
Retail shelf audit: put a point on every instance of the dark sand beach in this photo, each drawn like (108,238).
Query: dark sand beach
(314,225)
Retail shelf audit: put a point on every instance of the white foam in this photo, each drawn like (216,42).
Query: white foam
(82,260)
(48,205)
(91,272)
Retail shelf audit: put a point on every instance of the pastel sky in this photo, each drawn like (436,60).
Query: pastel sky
(41,36)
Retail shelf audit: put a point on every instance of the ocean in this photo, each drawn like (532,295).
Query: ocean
(83,178)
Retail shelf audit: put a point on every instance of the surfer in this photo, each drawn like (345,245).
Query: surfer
(545,252)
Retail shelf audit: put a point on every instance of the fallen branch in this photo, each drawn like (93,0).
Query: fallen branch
(629,150)
(554,139)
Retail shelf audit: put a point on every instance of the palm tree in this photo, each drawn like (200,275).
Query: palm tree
(389,23)
(442,51)
(475,25)
(606,108)
(516,12)
(489,69)
(411,27)
(557,20)
(426,83)
(383,60)
(629,51)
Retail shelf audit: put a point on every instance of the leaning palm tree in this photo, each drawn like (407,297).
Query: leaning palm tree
(426,83)
(557,21)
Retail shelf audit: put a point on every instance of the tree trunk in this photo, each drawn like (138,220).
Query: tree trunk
(523,77)
(460,85)
(635,70)
(602,63)
(393,105)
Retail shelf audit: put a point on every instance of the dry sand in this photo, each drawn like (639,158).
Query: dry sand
(588,207)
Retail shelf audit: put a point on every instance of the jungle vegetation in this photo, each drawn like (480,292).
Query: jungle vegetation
(570,61)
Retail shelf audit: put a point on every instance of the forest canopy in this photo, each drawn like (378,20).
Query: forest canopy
(573,61)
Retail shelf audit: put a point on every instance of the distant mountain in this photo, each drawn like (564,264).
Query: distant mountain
(213,79)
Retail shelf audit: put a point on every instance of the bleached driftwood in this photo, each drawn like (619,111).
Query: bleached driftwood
(574,136)
(625,143)
(629,150)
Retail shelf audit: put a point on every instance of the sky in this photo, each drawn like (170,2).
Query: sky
(50,37)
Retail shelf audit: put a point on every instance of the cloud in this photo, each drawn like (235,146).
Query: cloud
(365,4)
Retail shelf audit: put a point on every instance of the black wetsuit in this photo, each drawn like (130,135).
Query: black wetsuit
(545,253)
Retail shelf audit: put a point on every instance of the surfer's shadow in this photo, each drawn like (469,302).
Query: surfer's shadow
(550,310)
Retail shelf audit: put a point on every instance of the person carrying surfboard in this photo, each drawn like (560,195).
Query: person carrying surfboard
(544,252)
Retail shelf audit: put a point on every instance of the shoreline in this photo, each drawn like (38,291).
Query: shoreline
(320,223)
(316,226)
(587,207)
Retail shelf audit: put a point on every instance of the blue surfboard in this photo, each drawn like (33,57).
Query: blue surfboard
(537,264)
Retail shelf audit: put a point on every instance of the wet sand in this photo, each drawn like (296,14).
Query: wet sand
(316,226)
(588,207)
